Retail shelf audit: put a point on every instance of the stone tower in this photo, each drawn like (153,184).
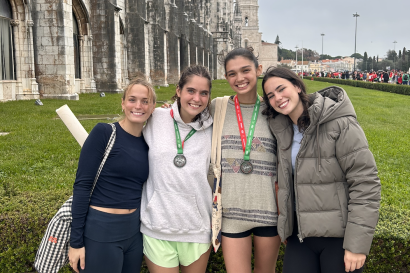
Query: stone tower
(237,26)
(250,24)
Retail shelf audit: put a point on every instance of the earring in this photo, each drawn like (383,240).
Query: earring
(122,110)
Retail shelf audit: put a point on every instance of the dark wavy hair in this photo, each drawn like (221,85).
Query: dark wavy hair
(287,74)
(187,74)
(241,52)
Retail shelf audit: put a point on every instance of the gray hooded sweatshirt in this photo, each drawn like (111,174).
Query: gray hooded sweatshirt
(176,203)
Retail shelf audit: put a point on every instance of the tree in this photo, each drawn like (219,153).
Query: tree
(399,54)
(308,55)
(358,56)
(391,55)
(277,41)
(403,57)
(364,63)
(325,57)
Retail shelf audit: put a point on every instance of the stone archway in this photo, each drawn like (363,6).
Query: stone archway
(82,16)
(84,76)
(20,82)
(7,62)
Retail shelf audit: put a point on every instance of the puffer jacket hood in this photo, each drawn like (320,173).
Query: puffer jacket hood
(328,104)
(334,190)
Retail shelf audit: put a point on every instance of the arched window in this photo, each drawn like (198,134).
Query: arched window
(77,60)
(246,21)
(6,42)
(246,43)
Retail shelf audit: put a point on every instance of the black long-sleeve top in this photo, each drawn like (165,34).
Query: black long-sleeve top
(120,182)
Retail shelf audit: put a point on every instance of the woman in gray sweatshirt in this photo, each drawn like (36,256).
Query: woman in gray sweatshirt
(177,199)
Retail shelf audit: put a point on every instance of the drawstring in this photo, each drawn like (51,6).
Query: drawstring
(318,146)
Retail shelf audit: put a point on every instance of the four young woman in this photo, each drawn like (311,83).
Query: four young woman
(313,146)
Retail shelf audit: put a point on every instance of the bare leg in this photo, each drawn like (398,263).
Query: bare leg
(153,268)
(266,253)
(199,265)
(237,254)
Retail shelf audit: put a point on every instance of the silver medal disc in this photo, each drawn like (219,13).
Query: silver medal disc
(246,167)
(179,161)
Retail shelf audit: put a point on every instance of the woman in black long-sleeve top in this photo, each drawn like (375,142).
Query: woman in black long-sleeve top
(105,231)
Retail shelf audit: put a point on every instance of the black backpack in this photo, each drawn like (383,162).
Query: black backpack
(405,77)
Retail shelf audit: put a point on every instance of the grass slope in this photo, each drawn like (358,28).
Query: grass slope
(40,153)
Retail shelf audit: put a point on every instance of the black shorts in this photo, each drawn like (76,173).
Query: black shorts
(271,231)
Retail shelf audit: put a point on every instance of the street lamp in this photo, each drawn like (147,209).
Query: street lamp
(355,34)
(322,43)
(394,55)
(296,64)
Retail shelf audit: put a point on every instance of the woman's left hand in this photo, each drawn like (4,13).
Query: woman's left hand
(353,261)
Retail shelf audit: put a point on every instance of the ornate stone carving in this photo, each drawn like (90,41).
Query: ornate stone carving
(30,23)
(15,23)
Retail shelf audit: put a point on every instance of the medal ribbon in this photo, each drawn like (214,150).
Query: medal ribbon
(247,141)
(180,145)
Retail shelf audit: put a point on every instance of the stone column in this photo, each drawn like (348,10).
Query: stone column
(82,63)
(92,87)
(30,73)
(17,59)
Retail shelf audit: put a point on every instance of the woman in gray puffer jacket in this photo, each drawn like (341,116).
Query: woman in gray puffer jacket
(328,188)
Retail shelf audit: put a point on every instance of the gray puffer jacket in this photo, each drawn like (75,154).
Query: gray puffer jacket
(335,187)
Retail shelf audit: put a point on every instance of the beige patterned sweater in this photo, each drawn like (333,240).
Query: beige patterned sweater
(248,200)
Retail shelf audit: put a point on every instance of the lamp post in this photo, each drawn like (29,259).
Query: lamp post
(394,55)
(296,63)
(322,43)
(302,59)
(355,34)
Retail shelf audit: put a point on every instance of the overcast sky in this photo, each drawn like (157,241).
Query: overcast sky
(296,21)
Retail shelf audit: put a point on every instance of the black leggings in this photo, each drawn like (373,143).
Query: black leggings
(113,242)
(314,255)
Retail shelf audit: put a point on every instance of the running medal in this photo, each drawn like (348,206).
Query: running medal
(180,159)
(246,166)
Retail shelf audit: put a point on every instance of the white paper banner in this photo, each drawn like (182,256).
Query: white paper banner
(72,123)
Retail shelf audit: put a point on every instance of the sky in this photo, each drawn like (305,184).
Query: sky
(300,22)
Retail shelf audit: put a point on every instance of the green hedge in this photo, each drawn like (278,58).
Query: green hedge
(24,218)
(385,87)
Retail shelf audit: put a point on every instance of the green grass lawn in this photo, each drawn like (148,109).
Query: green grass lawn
(40,153)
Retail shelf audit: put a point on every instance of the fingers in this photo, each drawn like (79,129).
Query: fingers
(74,266)
(166,105)
(353,261)
(82,262)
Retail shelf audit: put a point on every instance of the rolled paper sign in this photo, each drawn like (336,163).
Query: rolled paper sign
(72,123)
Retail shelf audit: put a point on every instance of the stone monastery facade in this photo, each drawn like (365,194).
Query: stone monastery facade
(61,48)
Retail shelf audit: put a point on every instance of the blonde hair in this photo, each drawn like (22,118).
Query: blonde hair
(152,96)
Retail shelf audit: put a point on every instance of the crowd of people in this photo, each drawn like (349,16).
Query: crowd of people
(392,76)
